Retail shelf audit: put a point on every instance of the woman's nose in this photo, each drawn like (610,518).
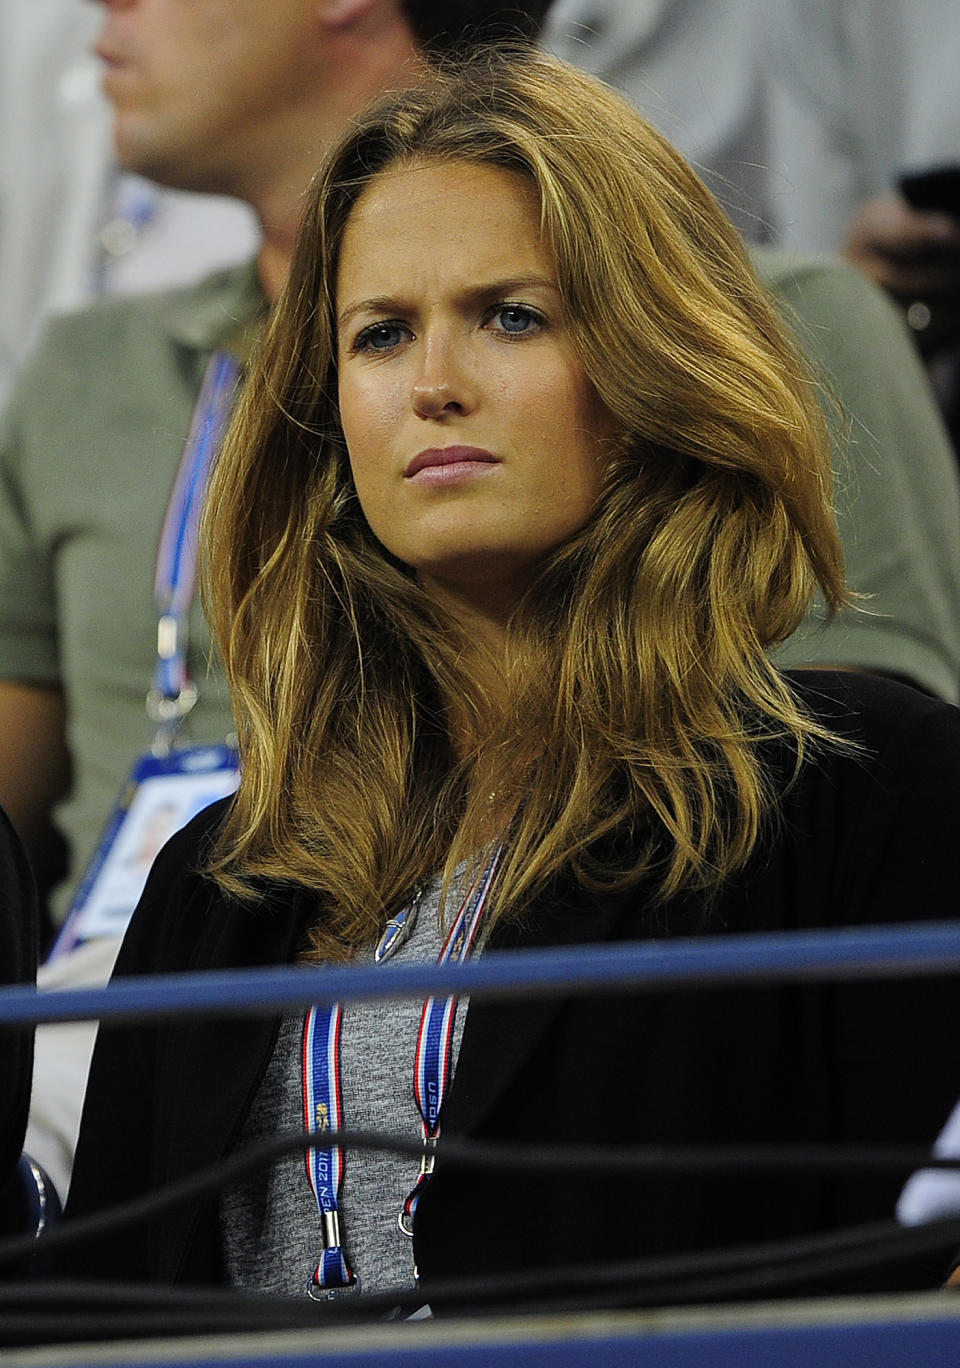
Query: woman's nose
(443,385)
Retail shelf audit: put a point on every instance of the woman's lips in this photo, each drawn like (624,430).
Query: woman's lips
(444,465)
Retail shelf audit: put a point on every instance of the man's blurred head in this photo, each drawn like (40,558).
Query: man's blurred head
(210,93)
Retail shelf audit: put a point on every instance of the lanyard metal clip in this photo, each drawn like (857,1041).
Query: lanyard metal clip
(172,695)
(331,1230)
(332,1277)
(427,1160)
(170,708)
(168,712)
(429,1156)
(317,1293)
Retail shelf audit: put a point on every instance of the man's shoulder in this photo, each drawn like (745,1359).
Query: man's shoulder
(782,267)
(820,286)
(134,346)
(197,314)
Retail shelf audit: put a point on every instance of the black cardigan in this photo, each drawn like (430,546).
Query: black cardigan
(864,839)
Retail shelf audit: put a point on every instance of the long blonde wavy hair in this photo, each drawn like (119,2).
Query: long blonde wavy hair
(640,693)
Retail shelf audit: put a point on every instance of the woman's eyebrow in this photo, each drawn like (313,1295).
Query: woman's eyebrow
(376,304)
(508,285)
(488,289)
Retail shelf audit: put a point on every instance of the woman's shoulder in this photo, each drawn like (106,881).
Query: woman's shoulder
(185,921)
(179,894)
(182,861)
(896,743)
(875,818)
(870,708)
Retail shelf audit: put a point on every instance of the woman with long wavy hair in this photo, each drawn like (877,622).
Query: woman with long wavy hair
(525,483)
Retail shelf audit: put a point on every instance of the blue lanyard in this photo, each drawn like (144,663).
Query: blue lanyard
(431,1067)
(323,1110)
(322,1098)
(172,694)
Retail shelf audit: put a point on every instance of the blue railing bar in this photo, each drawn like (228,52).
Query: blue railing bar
(915,948)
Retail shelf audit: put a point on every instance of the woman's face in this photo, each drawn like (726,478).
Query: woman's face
(475,440)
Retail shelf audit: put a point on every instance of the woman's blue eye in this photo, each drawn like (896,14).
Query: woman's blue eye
(380,337)
(516,318)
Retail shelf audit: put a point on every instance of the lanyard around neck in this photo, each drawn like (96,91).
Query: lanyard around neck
(322,1094)
(172,693)
(432,1057)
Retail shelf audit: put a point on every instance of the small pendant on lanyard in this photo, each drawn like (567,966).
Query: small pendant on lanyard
(398,930)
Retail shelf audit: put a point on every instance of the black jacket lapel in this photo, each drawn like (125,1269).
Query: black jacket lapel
(500,1037)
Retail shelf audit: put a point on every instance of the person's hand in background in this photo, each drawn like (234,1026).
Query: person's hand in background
(915,255)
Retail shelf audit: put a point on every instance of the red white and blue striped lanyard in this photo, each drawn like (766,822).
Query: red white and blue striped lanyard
(322,1095)
(172,693)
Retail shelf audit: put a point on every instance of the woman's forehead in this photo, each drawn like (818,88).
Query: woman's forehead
(459,221)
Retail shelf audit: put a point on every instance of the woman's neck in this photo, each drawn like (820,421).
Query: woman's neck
(482,614)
